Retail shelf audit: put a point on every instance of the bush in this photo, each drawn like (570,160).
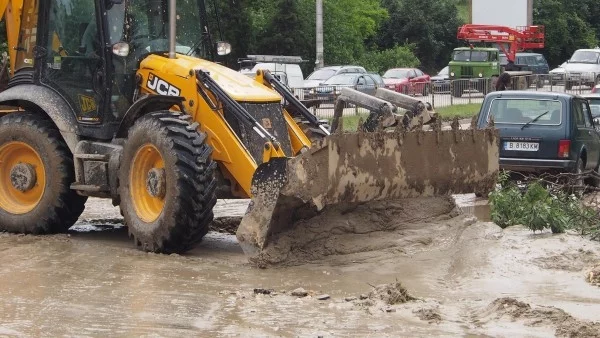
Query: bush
(397,57)
(538,206)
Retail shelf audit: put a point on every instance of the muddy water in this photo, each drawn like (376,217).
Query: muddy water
(469,278)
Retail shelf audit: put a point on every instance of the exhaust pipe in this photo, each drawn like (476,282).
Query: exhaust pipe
(172,27)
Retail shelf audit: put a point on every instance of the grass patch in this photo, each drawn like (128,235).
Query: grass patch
(462,111)
(351,122)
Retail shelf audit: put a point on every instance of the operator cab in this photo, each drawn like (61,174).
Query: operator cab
(89,50)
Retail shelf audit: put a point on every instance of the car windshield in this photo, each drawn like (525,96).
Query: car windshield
(444,71)
(595,106)
(470,55)
(146,26)
(503,60)
(321,74)
(521,111)
(540,59)
(377,78)
(341,79)
(396,74)
(582,56)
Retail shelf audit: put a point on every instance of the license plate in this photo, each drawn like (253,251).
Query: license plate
(521,146)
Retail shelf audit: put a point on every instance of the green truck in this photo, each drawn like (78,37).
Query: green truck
(477,69)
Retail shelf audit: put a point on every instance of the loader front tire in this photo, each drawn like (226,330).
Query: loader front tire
(36,172)
(167,184)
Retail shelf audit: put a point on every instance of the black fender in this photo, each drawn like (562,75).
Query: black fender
(144,106)
(43,100)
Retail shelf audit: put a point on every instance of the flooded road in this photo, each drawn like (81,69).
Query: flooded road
(469,277)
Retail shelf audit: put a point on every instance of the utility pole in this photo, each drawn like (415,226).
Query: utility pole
(319,62)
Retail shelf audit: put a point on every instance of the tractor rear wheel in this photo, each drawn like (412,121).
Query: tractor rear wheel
(36,172)
(167,184)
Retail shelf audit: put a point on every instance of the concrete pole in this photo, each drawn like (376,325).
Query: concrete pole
(319,62)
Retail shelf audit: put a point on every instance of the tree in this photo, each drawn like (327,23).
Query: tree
(285,33)
(566,28)
(380,61)
(430,25)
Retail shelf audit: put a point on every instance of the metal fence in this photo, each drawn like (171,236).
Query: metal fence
(456,92)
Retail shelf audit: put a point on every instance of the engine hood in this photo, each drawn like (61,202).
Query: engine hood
(394,81)
(312,83)
(582,67)
(239,86)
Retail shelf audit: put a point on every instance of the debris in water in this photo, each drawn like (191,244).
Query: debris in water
(323,297)
(593,276)
(261,291)
(429,315)
(299,292)
(391,294)
(566,325)
(350,299)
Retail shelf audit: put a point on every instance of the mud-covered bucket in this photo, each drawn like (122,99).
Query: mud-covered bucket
(358,167)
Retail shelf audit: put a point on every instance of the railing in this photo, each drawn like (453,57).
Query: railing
(455,92)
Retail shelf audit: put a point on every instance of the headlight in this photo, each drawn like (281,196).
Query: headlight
(480,75)
(452,74)
(312,91)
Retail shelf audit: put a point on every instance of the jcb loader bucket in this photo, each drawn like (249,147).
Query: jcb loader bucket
(360,167)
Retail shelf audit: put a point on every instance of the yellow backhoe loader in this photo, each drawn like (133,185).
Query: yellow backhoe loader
(107,99)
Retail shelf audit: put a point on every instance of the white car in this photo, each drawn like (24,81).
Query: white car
(583,68)
(557,75)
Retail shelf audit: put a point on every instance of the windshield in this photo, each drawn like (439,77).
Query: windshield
(396,74)
(146,26)
(503,60)
(582,56)
(470,55)
(521,111)
(444,71)
(342,79)
(321,74)
(595,106)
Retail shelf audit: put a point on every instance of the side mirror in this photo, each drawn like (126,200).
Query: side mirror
(223,48)
(120,49)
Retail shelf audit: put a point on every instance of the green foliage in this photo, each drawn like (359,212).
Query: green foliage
(569,26)
(430,24)
(380,61)
(462,111)
(284,34)
(347,25)
(539,207)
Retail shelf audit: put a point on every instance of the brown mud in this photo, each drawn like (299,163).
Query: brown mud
(360,230)
(442,274)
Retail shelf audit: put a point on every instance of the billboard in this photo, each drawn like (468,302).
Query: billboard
(511,13)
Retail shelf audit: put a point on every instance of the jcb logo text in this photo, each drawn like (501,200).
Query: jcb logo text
(161,86)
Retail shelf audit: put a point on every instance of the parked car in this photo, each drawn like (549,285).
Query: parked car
(409,81)
(533,62)
(321,75)
(542,131)
(583,68)
(441,82)
(594,102)
(378,80)
(328,91)
(557,75)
